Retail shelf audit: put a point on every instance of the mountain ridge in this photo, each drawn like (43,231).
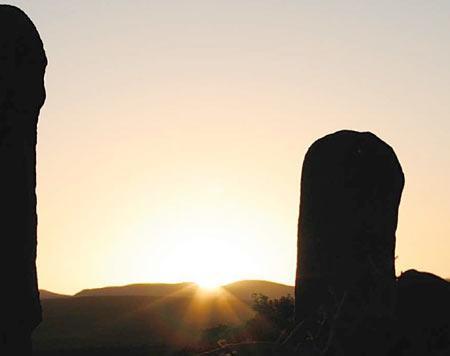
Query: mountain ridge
(46,294)
(242,289)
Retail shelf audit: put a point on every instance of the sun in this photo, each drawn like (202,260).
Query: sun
(209,275)
(209,263)
(203,250)
(207,283)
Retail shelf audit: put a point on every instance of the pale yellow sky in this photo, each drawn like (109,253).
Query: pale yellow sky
(173,134)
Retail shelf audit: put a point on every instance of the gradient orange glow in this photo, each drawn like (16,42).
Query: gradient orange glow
(171,141)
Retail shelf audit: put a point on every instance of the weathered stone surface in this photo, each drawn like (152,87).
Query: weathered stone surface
(22,93)
(350,193)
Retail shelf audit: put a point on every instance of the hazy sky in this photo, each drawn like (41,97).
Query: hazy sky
(171,142)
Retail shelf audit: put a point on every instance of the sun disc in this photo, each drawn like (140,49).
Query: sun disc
(208,284)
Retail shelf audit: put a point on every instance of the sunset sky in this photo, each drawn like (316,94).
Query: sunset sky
(171,142)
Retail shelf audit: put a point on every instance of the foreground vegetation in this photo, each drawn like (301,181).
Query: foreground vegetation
(135,325)
(273,318)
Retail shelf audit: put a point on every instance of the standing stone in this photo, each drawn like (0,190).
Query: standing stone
(345,284)
(22,93)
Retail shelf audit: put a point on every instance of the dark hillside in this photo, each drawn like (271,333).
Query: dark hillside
(90,323)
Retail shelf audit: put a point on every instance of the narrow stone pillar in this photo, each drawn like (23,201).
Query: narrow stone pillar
(22,93)
(345,284)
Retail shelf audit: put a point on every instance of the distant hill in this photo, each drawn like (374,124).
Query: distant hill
(244,289)
(185,289)
(45,294)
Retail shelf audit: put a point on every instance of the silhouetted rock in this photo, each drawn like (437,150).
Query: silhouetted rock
(350,193)
(423,315)
(22,93)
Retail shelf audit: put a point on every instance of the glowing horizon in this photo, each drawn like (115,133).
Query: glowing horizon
(171,142)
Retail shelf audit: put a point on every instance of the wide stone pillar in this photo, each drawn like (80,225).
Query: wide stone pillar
(345,283)
(22,93)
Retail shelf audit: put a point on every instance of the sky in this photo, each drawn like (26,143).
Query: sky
(171,141)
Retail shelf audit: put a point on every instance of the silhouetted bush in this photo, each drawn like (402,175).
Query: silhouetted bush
(273,317)
(279,312)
